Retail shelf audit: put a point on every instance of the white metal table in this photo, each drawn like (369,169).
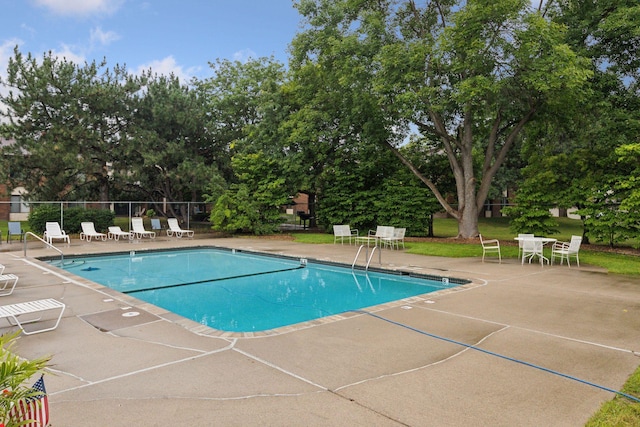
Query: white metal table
(538,242)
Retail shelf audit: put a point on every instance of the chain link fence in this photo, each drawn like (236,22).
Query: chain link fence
(190,214)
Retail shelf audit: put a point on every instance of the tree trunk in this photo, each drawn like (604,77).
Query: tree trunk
(468,221)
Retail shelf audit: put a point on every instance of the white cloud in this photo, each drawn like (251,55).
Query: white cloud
(80,7)
(244,55)
(103,37)
(6,52)
(68,54)
(168,66)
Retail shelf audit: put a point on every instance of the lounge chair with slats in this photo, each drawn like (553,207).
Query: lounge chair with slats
(8,283)
(115,233)
(31,312)
(54,232)
(139,230)
(175,230)
(89,232)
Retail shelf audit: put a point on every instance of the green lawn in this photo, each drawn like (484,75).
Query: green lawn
(498,228)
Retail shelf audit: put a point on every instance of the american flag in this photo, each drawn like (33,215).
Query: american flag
(34,409)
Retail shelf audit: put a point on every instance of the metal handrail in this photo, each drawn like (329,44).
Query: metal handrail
(43,241)
(356,258)
(367,256)
(371,257)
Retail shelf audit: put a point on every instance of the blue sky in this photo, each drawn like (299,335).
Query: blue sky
(179,36)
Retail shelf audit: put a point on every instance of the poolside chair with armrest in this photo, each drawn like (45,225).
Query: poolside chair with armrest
(396,239)
(89,232)
(14,313)
(54,232)
(342,231)
(139,231)
(376,236)
(565,250)
(175,230)
(14,230)
(490,246)
(115,233)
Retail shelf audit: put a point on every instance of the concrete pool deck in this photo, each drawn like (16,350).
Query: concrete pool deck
(546,341)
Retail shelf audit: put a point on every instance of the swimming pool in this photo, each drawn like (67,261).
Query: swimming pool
(243,291)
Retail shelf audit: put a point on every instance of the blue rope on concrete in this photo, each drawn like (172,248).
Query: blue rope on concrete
(522,362)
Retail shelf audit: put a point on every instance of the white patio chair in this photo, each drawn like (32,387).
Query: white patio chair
(396,239)
(489,247)
(344,231)
(565,250)
(521,241)
(532,248)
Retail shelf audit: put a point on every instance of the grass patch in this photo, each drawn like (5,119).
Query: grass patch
(620,411)
(498,228)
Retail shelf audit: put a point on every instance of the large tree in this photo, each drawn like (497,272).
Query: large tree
(468,75)
(69,123)
(244,107)
(172,153)
(572,156)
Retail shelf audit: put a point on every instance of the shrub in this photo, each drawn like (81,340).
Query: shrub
(73,217)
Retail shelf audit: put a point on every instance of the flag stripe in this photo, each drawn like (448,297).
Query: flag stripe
(34,409)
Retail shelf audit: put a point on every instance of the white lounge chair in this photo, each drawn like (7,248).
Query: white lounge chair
(15,313)
(115,233)
(565,250)
(175,230)
(342,231)
(139,231)
(9,282)
(490,246)
(1,268)
(89,232)
(54,232)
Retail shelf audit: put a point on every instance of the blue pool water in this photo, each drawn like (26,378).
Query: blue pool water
(245,292)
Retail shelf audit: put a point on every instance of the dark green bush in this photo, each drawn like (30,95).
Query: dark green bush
(39,216)
(73,217)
